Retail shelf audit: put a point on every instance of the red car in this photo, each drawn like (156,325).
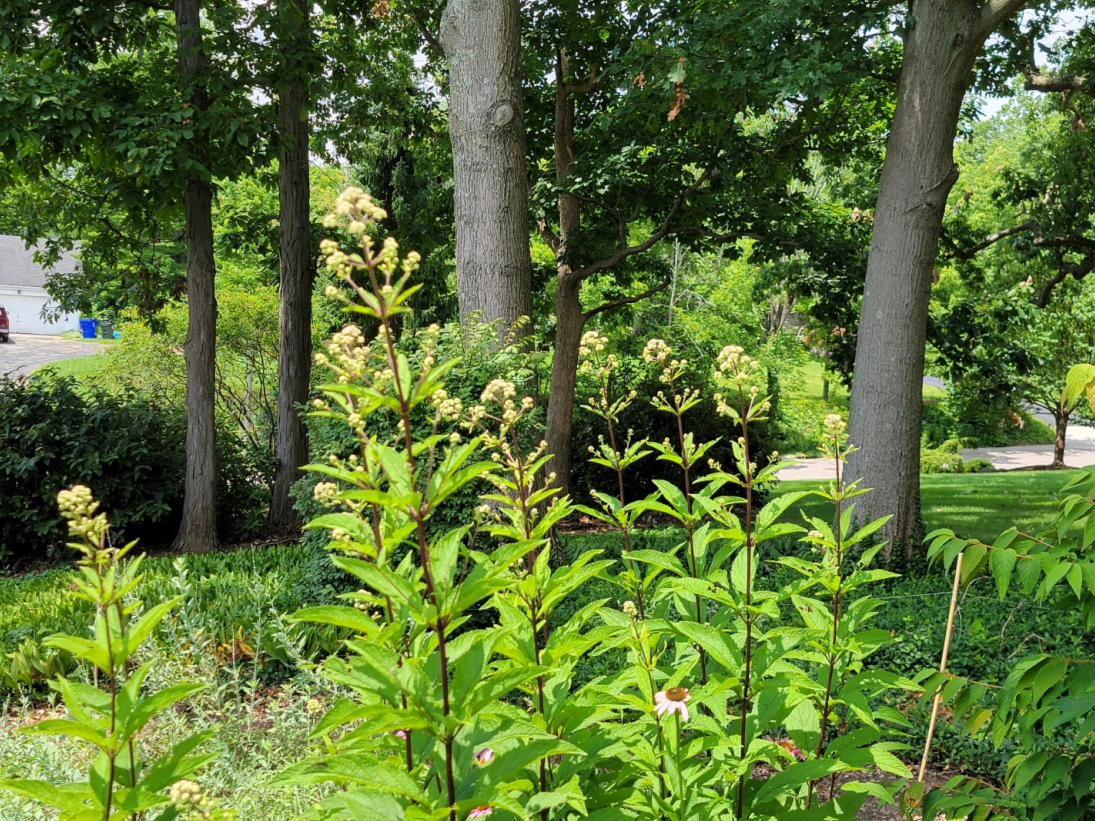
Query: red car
(3,324)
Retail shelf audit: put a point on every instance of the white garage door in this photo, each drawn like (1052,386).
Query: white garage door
(24,314)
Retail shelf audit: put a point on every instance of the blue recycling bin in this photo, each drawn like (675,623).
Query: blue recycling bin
(88,328)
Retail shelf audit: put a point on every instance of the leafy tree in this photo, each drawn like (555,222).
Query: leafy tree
(942,45)
(155,100)
(1006,346)
(672,123)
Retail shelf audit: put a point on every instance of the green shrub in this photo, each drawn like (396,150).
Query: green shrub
(947,458)
(55,433)
(979,425)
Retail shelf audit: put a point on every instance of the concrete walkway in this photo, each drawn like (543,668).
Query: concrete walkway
(1079,452)
(23,353)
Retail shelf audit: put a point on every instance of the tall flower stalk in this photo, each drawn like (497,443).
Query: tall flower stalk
(429,684)
(599,365)
(120,784)
(686,454)
(740,369)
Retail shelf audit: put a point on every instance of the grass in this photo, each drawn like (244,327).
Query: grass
(78,337)
(975,506)
(807,383)
(81,368)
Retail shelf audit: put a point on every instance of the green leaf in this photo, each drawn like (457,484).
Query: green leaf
(147,623)
(360,772)
(348,617)
(1001,563)
(777,507)
(149,706)
(64,726)
(795,776)
(1077,381)
(69,797)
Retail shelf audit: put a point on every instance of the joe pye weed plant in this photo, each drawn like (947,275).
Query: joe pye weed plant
(751,710)
(434,731)
(110,717)
(465,703)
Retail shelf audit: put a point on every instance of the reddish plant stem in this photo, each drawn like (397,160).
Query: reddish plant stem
(832,655)
(745,683)
(625,529)
(701,616)
(423,545)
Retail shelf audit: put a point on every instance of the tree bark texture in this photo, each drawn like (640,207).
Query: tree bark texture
(481,40)
(198,532)
(1060,417)
(942,40)
(569,319)
(569,323)
(296,273)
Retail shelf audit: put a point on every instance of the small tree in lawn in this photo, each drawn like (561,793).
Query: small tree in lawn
(1008,347)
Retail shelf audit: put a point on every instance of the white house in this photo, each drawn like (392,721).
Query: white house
(23,289)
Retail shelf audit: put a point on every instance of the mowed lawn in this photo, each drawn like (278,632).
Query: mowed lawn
(975,506)
(80,368)
(806,383)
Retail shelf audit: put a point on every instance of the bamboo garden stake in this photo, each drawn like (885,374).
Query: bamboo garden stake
(942,667)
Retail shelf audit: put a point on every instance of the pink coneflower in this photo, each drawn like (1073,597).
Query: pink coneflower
(484,757)
(789,746)
(673,700)
(480,812)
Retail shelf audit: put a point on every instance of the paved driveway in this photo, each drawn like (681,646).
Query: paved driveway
(1079,452)
(22,353)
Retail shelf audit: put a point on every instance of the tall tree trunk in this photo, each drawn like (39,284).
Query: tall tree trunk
(482,44)
(569,324)
(942,40)
(1060,416)
(296,273)
(198,532)
(569,319)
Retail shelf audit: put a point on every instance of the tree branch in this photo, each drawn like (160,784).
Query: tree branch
(1065,241)
(582,86)
(663,231)
(995,12)
(1076,270)
(969,253)
(428,36)
(1064,83)
(553,242)
(618,303)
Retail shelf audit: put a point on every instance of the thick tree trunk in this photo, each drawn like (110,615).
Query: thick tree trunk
(296,273)
(1060,416)
(941,42)
(482,43)
(198,532)
(569,324)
